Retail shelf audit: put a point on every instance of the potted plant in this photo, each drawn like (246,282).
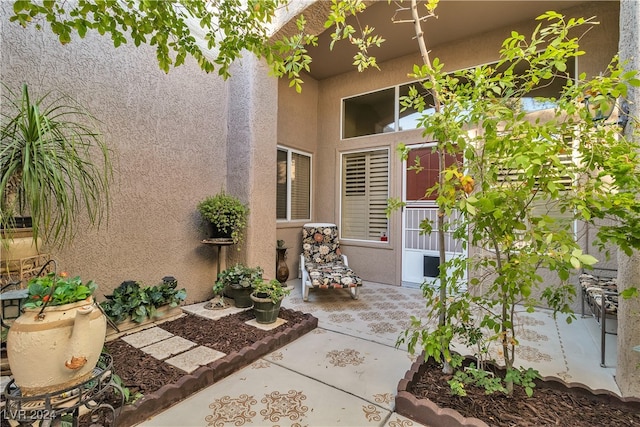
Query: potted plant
(132,301)
(60,320)
(50,143)
(238,282)
(267,297)
(226,214)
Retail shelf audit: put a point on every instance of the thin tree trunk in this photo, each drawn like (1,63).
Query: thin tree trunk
(441,162)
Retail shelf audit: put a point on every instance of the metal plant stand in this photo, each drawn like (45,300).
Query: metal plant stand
(47,409)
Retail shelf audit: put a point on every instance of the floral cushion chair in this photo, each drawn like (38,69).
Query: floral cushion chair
(321,263)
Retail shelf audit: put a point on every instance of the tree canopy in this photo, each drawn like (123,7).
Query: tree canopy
(213,32)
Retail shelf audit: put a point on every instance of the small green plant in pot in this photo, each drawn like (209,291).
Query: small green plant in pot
(53,289)
(267,297)
(238,282)
(226,214)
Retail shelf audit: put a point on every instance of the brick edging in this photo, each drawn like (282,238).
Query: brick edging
(205,376)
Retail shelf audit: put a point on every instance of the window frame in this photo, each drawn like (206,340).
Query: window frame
(290,151)
(343,112)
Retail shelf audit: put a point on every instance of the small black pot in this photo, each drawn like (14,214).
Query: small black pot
(241,296)
(21,222)
(215,233)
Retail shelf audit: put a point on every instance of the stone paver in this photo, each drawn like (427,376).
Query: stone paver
(165,348)
(191,360)
(200,310)
(147,337)
(266,326)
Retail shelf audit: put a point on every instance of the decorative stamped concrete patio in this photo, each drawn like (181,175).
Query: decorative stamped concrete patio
(346,371)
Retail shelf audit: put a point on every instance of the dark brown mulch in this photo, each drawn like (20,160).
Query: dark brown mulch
(145,374)
(547,406)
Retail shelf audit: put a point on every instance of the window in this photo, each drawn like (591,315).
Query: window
(365,190)
(293,185)
(380,111)
(418,182)
(369,114)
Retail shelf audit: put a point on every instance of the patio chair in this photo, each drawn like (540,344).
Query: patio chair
(322,264)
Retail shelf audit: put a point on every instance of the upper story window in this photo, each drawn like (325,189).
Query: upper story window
(380,111)
(293,185)
(369,114)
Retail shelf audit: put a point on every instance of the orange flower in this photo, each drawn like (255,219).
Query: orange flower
(63,274)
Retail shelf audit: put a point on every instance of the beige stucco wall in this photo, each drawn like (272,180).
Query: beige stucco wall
(381,262)
(628,358)
(298,129)
(169,134)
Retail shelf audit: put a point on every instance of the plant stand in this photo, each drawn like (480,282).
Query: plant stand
(219,244)
(49,407)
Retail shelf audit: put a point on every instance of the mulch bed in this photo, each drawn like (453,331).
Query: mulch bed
(162,384)
(549,406)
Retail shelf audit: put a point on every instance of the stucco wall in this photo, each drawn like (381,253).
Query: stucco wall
(628,360)
(380,262)
(252,156)
(298,129)
(169,137)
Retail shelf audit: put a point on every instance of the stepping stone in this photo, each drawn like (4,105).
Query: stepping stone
(165,348)
(266,326)
(199,309)
(147,337)
(191,360)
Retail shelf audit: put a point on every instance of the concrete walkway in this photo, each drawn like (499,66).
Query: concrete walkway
(346,371)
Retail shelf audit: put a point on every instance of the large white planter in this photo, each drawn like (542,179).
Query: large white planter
(57,351)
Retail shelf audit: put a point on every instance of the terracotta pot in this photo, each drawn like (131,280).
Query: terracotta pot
(265,310)
(57,351)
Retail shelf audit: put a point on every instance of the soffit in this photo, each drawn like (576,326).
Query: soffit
(457,19)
